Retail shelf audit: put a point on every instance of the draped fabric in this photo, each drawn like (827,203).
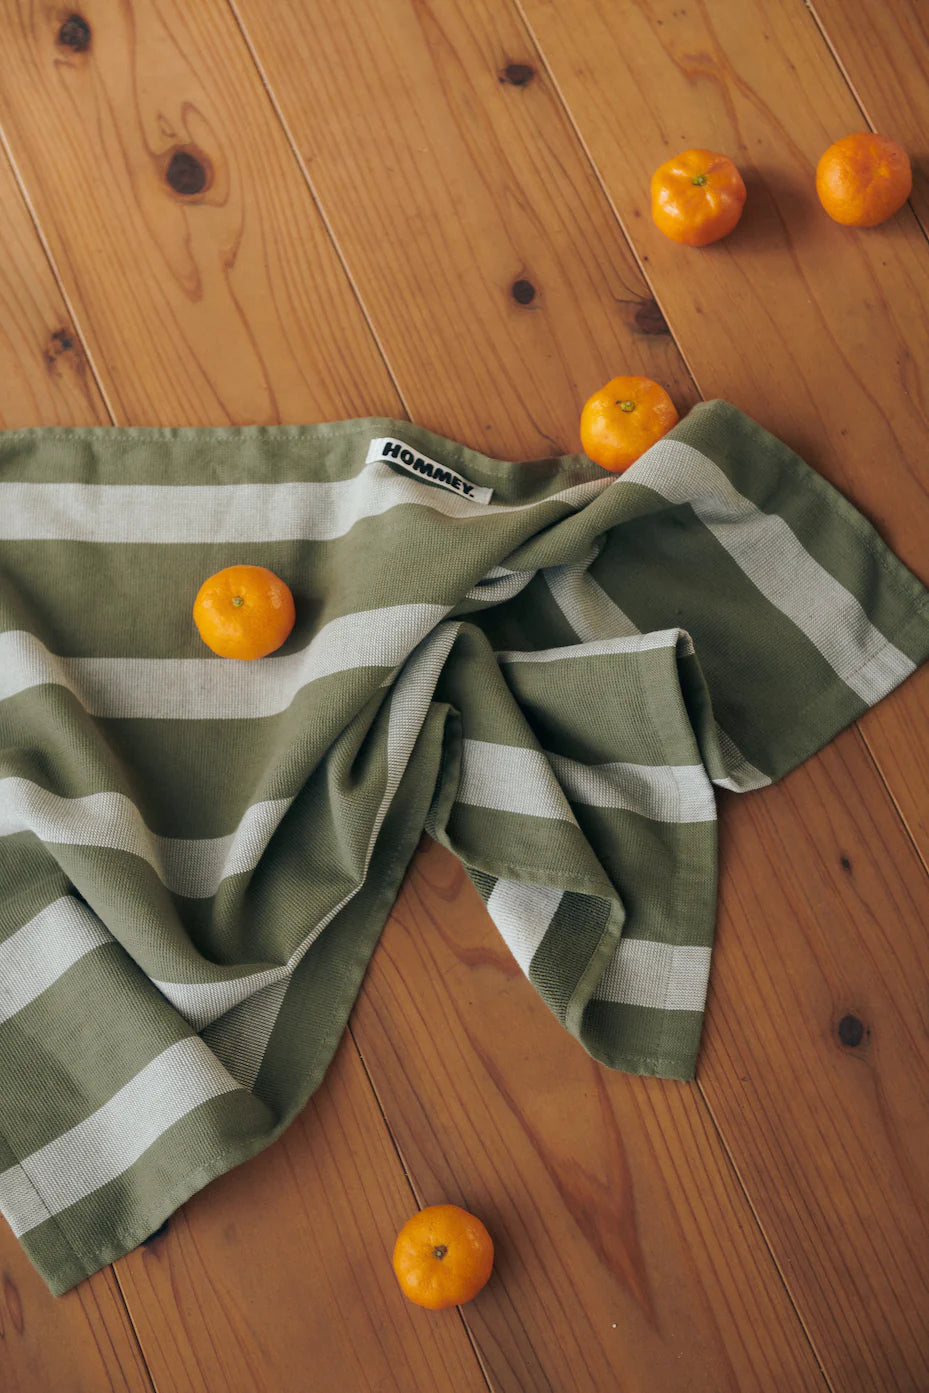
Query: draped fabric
(548,668)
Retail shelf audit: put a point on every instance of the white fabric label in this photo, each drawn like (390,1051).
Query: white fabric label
(399,453)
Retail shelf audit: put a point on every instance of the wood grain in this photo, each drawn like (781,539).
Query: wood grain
(818,331)
(626,1257)
(884,52)
(79,1343)
(223,304)
(279,1275)
(445,182)
(815,1062)
(497,281)
(883,49)
(44,373)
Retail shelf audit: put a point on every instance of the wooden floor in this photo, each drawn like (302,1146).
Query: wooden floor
(298,210)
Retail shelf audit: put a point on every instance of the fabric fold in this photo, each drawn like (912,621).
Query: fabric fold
(552,671)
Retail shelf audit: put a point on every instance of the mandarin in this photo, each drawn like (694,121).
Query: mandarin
(622,419)
(697,197)
(443,1256)
(863,179)
(244,612)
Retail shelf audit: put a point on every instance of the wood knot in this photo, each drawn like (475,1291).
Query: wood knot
(75,34)
(852,1032)
(523,292)
(60,343)
(187,174)
(649,319)
(517,74)
(845,863)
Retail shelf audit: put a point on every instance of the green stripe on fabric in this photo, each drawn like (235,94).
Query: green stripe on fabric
(257,917)
(82,1058)
(52,740)
(532,850)
(665,872)
(203,455)
(471,668)
(327,980)
(642,1040)
(29,880)
(47,1247)
(152,616)
(114,1219)
(574,934)
(735,630)
(777,480)
(189,778)
(630,705)
(531,620)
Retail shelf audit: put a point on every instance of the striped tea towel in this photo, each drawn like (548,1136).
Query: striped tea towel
(546,666)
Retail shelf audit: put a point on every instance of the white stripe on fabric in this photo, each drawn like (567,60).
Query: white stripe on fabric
(499,585)
(772,556)
(19,1204)
(663,793)
(189,866)
(585,604)
(196,866)
(592,615)
(37,954)
(522,913)
(236,1023)
(217,688)
(635,643)
(510,780)
(107,1143)
(310,512)
(240,1038)
(659,975)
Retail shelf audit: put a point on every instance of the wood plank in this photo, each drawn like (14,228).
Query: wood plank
(461,391)
(83,1343)
(227,304)
(79,1343)
(455,194)
(279,1275)
(45,378)
(626,1256)
(230,306)
(883,48)
(816,330)
(815,1062)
